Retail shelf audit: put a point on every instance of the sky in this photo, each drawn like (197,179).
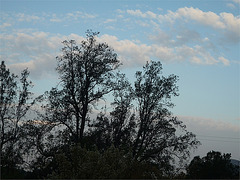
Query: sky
(197,40)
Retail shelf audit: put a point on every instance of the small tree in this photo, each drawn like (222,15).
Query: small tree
(212,166)
(15,103)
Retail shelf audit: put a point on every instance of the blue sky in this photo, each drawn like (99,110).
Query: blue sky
(197,40)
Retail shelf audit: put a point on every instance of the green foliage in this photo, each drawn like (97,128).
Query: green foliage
(212,166)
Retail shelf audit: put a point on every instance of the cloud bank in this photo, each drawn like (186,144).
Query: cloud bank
(38,50)
(225,21)
(167,41)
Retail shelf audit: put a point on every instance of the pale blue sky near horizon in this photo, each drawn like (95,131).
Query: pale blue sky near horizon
(197,40)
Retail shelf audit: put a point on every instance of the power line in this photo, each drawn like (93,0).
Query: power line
(218,137)
(219,140)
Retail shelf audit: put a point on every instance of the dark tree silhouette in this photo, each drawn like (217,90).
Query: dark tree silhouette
(212,166)
(141,121)
(120,126)
(15,102)
(87,73)
(113,163)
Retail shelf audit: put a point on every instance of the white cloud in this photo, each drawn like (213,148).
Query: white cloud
(139,13)
(133,54)
(75,15)
(143,24)
(37,51)
(4,25)
(120,16)
(206,18)
(230,5)
(31,44)
(136,13)
(205,39)
(192,44)
(40,66)
(129,52)
(198,55)
(26,17)
(151,14)
(110,27)
(55,18)
(225,61)
(120,11)
(232,25)
(226,22)
(236,1)
(206,57)
(109,20)
(161,37)
(86,15)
